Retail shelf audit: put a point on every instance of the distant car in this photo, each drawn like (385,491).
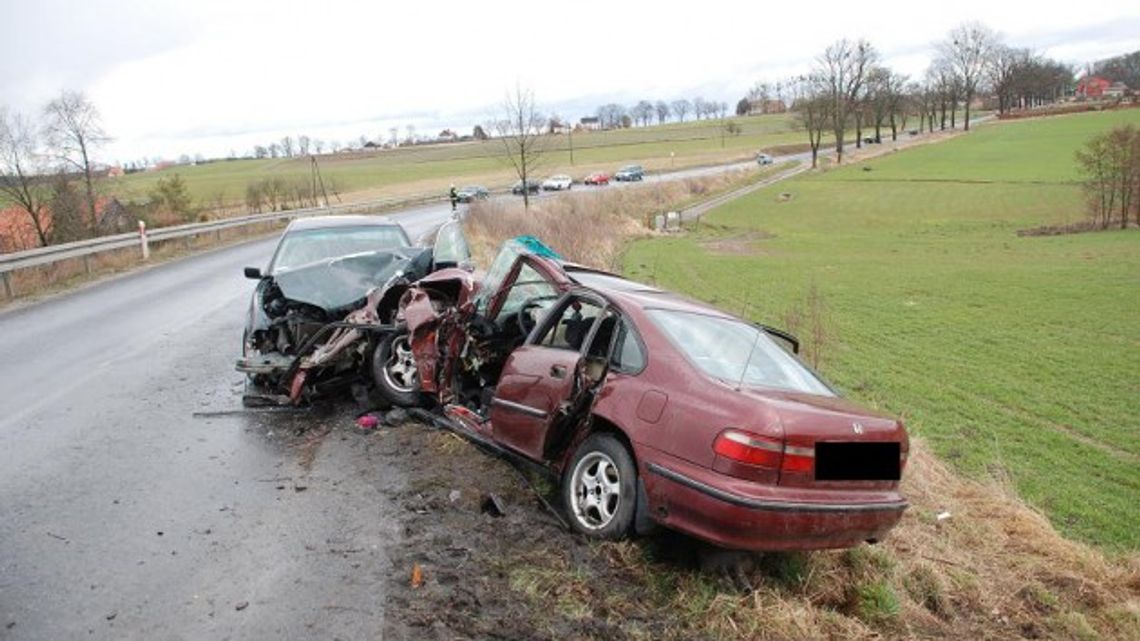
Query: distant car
(597,178)
(520,187)
(472,193)
(764,159)
(630,173)
(869,141)
(557,183)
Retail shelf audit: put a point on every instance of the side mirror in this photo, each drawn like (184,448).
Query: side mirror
(253,272)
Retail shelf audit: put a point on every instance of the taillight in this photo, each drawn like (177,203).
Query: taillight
(798,458)
(745,447)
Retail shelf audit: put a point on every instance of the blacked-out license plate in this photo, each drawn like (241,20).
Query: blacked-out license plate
(857,462)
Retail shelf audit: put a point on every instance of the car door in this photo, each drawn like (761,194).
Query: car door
(541,379)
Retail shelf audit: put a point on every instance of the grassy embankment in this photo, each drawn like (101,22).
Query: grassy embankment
(1015,359)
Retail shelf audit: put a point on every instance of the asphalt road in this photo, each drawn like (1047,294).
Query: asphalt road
(125,516)
(137,499)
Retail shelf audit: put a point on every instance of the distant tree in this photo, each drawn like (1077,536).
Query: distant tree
(1111,163)
(553,123)
(680,107)
(394,135)
(274,150)
(662,109)
(967,50)
(520,130)
(20,169)
(260,151)
(700,108)
(843,69)
(411,131)
(68,211)
(74,132)
(170,195)
(610,116)
(287,147)
(303,144)
(642,112)
(812,103)
(743,107)
(1125,68)
(318,145)
(478,133)
(626,121)
(722,109)
(184,159)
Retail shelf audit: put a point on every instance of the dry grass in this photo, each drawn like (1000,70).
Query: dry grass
(591,226)
(993,569)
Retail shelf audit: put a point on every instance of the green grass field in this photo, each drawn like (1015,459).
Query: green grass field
(417,168)
(1013,357)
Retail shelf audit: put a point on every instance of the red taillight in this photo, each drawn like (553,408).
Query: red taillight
(749,448)
(798,458)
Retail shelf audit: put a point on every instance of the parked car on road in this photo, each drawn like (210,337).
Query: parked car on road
(764,159)
(325,305)
(529,186)
(629,173)
(557,183)
(597,178)
(471,193)
(653,409)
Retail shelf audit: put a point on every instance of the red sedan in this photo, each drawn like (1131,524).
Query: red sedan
(597,178)
(653,409)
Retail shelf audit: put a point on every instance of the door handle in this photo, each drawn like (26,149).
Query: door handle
(558,371)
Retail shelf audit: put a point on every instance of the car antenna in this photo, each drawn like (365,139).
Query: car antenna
(744,370)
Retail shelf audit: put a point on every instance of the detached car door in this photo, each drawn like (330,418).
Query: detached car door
(542,377)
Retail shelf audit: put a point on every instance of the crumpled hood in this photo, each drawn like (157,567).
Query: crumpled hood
(338,282)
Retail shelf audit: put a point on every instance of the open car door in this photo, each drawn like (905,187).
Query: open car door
(544,382)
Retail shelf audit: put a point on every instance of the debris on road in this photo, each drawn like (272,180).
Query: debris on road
(454,495)
(395,417)
(112,614)
(417,580)
(494,505)
(241,606)
(367,421)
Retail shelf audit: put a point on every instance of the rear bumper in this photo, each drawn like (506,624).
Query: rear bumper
(737,514)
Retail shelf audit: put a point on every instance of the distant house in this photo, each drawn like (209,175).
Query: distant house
(770,106)
(17,232)
(1092,87)
(591,123)
(1116,90)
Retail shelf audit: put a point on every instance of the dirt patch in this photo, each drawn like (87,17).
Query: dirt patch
(1078,227)
(741,245)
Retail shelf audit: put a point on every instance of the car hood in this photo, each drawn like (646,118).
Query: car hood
(339,282)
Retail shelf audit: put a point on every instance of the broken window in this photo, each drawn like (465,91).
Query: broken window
(571,325)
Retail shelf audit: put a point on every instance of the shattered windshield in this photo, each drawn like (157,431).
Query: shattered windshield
(308,246)
(499,269)
(338,282)
(736,352)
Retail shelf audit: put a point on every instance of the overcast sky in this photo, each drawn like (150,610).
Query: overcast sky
(208,76)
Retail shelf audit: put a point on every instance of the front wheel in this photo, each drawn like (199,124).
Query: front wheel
(599,488)
(394,371)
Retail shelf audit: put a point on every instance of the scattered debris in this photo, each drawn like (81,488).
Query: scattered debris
(454,495)
(784,197)
(112,614)
(241,606)
(493,505)
(159,532)
(56,536)
(417,580)
(942,516)
(300,488)
(367,421)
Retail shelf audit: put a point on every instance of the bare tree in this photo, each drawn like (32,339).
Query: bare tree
(287,146)
(21,170)
(643,112)
(967,49)
(303,144)
(318,145)
(610,115)
(394,135)
(812,104)
(662,109)
(700,107)
(843,68)
(680,107)
(520,130)
(260,151)
(274,150)
(74,132)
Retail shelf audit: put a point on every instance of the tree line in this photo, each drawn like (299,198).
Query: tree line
(645,112)
(1110,162)
(849,87)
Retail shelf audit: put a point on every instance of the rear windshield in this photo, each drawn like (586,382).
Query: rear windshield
(736,352)
(312,245)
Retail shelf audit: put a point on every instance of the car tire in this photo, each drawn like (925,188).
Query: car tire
(394,371)
(599,488)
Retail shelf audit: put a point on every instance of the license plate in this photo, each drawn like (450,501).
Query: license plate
(857,462)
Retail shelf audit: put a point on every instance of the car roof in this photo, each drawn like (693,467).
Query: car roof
(636,294)
(324,222)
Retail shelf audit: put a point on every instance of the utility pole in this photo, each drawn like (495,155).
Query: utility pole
(571,146)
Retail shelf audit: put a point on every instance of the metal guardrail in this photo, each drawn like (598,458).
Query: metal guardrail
(84,249)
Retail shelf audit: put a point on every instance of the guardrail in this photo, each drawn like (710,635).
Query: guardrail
(84,249)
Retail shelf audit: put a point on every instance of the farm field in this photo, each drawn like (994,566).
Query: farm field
(423,169)
(1014,358)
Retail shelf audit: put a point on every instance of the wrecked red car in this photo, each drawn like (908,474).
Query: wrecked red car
(653,409)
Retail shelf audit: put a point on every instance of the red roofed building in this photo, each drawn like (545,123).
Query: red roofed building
(17,232)
(1092,87)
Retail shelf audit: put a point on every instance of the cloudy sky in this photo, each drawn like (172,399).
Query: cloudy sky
(210,76)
